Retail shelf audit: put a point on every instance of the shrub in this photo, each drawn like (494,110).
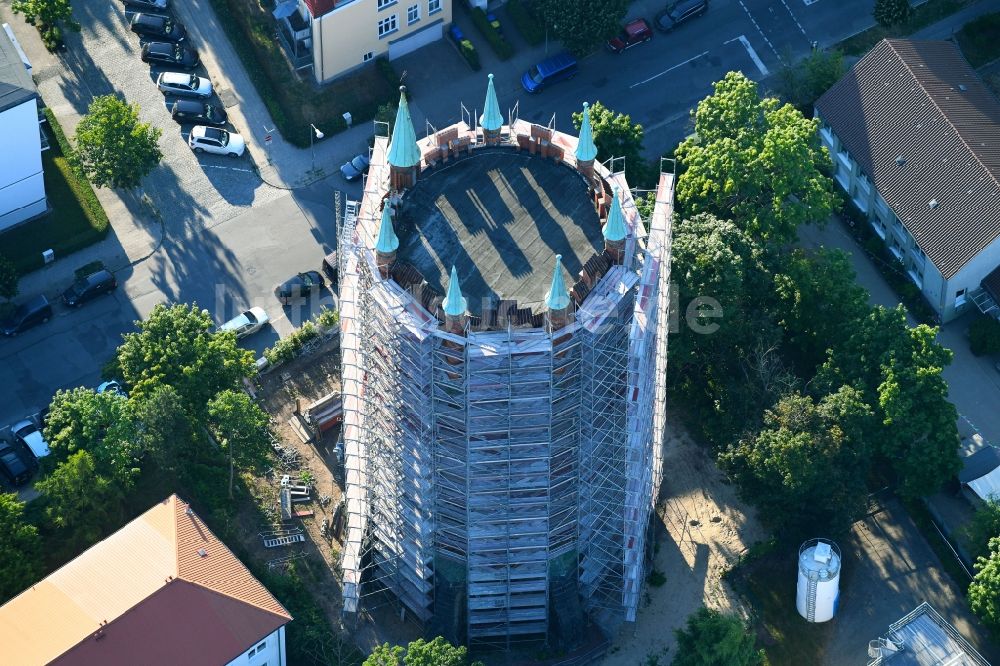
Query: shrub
(529,25)
(500,46)
(984,336)
(468,51)
(287,348)
(386,69)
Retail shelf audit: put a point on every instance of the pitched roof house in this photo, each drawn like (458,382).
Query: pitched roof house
(161,590)
(915,139)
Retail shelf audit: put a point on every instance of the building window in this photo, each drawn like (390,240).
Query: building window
(368,56)
(960,297)
(412,14)
(382,4)
(387,26)
(260,648)
(433,6)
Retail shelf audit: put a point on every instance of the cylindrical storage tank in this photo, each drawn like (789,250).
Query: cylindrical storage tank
(819,580)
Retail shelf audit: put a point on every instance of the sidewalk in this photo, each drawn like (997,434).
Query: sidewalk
(948,26)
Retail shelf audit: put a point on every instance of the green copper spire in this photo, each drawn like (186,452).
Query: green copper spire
(615,230)
(387,240)
(454,302)
(491,119)
(585,148)
(403,150)
(558,298)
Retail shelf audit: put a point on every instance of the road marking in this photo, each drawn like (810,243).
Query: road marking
(742,39)
(809,2)
(757,25)
(215,166)
(795,19)
(680,64)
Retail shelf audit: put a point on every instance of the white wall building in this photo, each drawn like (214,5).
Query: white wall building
(22,186)
(914,136)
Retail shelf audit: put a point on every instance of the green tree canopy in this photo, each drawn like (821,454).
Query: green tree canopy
(166,431)
(437,652)
(80,503)
(46,13)
(615,135)
(802,82)
(176,346)
(8,278)
(806,470)
(889,13)
(710,638)
(754,161)
(113,148)
(984,590)
(101,423)
(985,525)
(20,548)
(582,25)
(241,428)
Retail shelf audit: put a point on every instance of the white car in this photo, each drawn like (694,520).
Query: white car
(247,323)
(216,140)
(184,85)
(28,434)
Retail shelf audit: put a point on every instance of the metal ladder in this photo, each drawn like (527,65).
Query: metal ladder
(284,541)
(811,599)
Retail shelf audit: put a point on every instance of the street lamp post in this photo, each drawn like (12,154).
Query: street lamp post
(315,134)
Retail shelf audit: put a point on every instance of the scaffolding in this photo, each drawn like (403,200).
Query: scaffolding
(500,482)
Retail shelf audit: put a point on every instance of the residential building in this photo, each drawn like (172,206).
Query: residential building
(914,135)
(333,37)
(503,312)
(923,638)
(162,590)
(22,183)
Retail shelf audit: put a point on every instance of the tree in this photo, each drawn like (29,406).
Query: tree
(20,548)
(101,423)
(984,336)
(80,503)
(615,135)
(710,638)
(386,655)
(8,278)
(582,25)
(807,469)
(165,429)
(176,346)
(113,148)
(754,161)
(889,13)
(985,525)
(47,16)
(241,427)
(984,590)
(437,652)
(801,83)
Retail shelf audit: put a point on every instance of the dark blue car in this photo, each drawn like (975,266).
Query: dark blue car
(561,67)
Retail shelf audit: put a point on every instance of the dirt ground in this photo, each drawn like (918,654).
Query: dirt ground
(705,530)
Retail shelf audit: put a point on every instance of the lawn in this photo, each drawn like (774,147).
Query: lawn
(923,15)
(76,220)
(978,39)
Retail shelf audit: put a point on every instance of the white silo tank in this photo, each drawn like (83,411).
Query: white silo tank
(819,580)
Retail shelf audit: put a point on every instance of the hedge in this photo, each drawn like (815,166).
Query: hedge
(526,22)
(286,349)
(468,51)
(984,336)
(500,46)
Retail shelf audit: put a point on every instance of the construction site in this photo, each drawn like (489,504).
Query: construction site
(503,313)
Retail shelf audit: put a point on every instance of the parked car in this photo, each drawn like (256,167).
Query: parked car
(111,387)
(168,53)
(158,27)
(200,113)
(352,170)
(151,5)
(13,466)
(635,32)
(30,313)
(184,85)
(300,286)
(27,434)
(560,67)
(215,140)
(246,323)
(89,288)
(680,12)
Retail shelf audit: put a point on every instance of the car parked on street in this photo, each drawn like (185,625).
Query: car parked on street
(560,67)
(300,286)
(204,139)
(32,312)
(678,13)
(634,33)
(150,5)
(184,85)
(353,169)
(90,287)
(27,434)
(246,323)
(13,466)
(190,111)
(160,28)
(170,54)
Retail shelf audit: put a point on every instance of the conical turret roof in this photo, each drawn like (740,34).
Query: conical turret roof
(615,230)
(454,303)
(387,241)
(403,149)
(558,298)
(585,148)
(491,119)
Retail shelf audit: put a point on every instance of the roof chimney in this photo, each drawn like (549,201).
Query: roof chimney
(933,203)
(900,160)
(203,552)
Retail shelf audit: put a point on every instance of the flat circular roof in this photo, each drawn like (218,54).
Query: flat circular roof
(500,217)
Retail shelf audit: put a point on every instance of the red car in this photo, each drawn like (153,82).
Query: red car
(635,32)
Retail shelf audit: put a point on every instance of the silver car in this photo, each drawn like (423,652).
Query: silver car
(247,323)
(184,85)
(215,140)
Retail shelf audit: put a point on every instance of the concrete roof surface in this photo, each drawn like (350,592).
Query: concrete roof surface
(16,85)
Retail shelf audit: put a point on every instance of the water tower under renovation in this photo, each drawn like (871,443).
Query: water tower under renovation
(818,589)
(504,350)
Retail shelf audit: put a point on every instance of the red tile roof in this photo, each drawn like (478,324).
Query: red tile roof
(319,7)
